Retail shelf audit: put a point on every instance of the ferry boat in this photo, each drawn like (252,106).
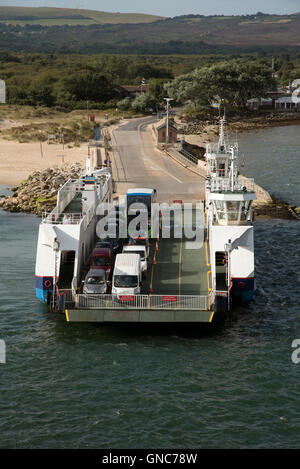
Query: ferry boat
(229,201)
(182,285)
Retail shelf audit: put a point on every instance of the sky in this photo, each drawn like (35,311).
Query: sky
(170,8)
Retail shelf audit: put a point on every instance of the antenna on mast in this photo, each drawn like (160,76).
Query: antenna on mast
(222,142)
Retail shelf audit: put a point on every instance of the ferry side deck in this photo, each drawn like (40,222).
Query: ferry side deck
(176,289)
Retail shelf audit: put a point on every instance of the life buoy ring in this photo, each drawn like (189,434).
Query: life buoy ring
(47,283)
(241,285)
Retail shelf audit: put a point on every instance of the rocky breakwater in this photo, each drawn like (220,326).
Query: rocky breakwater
(38,193)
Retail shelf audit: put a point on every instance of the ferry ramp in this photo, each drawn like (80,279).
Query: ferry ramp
(177,267)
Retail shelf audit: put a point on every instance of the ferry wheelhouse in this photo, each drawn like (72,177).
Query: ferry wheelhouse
(229,200)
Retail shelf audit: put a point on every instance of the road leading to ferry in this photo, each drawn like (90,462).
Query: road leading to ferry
(139,163)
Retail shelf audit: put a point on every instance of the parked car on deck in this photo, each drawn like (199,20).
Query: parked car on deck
(95,282)
(127,277)
(141,250)
(102,258)
(140,241)
(111,243)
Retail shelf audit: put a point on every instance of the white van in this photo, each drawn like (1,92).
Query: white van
(127,275)
(142,251)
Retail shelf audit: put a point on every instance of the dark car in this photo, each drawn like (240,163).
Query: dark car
(103,244)
(114,244)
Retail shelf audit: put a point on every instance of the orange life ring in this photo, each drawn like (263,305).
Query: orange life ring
(47,283)
(241,285)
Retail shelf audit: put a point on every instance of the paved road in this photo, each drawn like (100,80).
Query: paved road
(137,163)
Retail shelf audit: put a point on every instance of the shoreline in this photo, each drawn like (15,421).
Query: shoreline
(204,131)
(19,160)
(25,158)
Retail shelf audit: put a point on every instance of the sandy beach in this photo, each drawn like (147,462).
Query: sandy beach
(19,160)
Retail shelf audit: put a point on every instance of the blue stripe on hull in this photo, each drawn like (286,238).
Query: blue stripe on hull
(41,290)
(41,295)
(242,289)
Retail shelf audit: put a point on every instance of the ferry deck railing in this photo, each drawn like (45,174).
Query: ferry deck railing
(213,149)
(218,184)
(53,218)
(161,302)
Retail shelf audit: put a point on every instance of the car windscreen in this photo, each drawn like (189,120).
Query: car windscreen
(103,261)
(126,281)
(98,280)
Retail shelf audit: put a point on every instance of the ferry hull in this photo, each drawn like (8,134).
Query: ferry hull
(43,287)
(138,316)
(242,290)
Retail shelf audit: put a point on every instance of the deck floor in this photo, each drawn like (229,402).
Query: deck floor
(75,205)
(177,269)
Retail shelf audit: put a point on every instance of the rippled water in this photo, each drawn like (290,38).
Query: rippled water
(272,157)
(86,386)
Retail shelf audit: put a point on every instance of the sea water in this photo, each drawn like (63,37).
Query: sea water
(235,385)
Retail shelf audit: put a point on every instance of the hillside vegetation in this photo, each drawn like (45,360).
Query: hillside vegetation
(74,81)
(46,16)
(55,30)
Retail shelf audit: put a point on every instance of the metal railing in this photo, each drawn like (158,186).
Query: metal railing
(66,194)
(192,158)
(225,185)
(165,302)
(187,163)
(63,298)
(67,294)
(61,218)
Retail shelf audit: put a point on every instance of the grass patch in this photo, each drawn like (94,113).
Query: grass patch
(36,124)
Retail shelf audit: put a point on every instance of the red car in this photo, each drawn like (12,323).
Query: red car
(102,258)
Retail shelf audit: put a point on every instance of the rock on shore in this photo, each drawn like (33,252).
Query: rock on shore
(250,121)
(38,193)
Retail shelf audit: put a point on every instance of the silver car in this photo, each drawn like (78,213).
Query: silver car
(95,282)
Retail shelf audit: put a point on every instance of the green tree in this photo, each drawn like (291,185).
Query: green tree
(143,102)
(88,86)
(156,88)
(233,81)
